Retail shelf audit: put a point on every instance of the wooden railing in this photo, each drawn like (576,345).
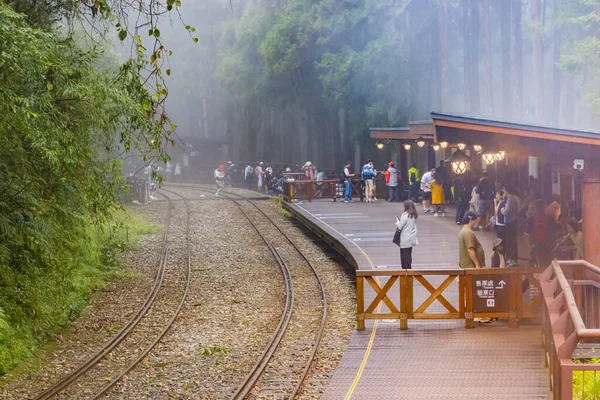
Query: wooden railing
(571,328)
(300,190)
(481,293)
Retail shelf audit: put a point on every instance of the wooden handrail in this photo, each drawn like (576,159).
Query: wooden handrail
(569,297)
(571,304)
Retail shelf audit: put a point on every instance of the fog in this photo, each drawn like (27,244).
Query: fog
(290,81)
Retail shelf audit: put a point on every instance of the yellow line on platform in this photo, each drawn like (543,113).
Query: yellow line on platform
(372,338)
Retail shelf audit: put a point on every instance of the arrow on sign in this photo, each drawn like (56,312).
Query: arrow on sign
(501,285)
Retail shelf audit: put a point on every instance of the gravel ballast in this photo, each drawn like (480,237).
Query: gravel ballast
(234,304)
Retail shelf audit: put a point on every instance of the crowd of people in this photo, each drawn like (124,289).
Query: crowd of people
(520,216)
(514,214)
(262,177)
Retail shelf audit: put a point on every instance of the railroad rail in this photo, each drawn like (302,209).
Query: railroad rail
(254,375)
(69,379)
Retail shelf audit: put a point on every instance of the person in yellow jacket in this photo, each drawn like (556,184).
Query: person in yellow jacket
(437,196)
(414,179)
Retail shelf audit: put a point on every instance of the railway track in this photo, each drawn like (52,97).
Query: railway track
(268,356)
(74,376)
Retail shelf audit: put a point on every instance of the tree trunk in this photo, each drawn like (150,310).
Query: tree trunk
(517,59)
(556,75)
(538,59)
(489,63)
(506,73)
(466,30)
(436,67)
(343,153)
(205,118)
(474,61)
(569,100)
(443,25)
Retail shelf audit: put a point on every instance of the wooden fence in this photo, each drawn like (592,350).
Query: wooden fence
(481,293)
(333,189)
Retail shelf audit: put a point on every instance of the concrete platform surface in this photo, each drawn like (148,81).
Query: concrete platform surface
(432,359)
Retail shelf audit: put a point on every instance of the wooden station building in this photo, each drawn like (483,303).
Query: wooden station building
(548,155)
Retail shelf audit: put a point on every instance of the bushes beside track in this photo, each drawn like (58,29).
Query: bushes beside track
(38,301)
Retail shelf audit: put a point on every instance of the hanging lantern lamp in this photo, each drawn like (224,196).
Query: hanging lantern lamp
(407,146)
(477,147)
(420,141)
(443,144)
(488,154)
(500,155)
(461,146)
(379,144)
(459,162)
(435,146)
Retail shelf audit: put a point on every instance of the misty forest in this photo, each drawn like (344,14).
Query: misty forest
(86,84)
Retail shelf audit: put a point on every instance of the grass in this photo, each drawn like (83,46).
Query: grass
(36,304)
(586,384)
(279,208)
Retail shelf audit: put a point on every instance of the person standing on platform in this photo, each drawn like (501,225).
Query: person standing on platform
(510,211)
(248,174)
(310,171)
(368,175)
(446,179)
(391,177)
(414,177)
(425,181)
(168,170)
(470,251)
(485,207)
(260,176)
(500,225)
(347,187)
(462,195)
(374,190)
(177,172)
(437,195)
(220,178)
(407,225)
(498,259)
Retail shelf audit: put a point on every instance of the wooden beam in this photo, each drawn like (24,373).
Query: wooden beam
(518,132)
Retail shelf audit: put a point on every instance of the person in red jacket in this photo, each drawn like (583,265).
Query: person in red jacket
(391,181)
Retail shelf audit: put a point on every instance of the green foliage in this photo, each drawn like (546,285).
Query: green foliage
(580,21)
(586,384)
(62,122)
(38,302)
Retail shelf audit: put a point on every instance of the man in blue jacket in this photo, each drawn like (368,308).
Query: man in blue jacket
(368,174)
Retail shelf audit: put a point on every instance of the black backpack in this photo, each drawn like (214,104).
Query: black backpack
(413,178)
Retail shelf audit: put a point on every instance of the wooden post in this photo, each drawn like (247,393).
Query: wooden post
(360,303)
(403,305)
(310,190)
(469,301)
(461,296)
(591,216)
(410,297)
(514,290)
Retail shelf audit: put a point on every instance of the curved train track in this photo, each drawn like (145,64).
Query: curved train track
(257,370)
(266,356)
(72,377)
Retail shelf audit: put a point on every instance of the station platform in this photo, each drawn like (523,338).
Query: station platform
(432,359)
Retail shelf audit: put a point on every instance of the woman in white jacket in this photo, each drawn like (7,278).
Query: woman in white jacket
(407,225)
